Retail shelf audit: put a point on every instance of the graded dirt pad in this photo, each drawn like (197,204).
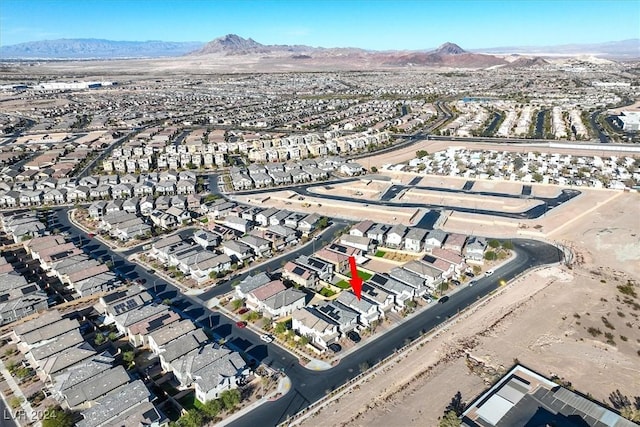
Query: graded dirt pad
(554,320)
(505,187)
(547,190)
(454,183)
(472,201)
(355,211)
(370,190)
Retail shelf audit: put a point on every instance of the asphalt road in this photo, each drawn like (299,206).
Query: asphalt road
(537,211)
(309,386)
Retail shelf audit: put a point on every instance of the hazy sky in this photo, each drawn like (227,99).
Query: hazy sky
(372,24)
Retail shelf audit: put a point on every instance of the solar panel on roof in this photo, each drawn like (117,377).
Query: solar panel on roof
(298,271)
(429,258)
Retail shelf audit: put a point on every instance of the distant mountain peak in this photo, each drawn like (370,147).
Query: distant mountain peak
(450,49)
(232,44)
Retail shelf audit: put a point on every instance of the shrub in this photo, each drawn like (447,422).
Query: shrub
(490,256)
(594,331)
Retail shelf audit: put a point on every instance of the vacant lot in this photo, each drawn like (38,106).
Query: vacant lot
(580,324)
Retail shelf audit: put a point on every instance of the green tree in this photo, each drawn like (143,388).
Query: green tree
(323,222)
(537,177)
(192,418)
(421,153)
(15,402)
(237,303)
(212,408)
(450,419)
(56,417)
(128,357)
(230,398)
(374,169)
(281,327)
(490,256)
(494,243)
(507,244)
(166,301)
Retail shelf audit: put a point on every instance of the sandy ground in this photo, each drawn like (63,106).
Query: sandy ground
(468,201)
(506,187)
(353,211)
(371,190)
(549,226)
(454,183)
(541,320)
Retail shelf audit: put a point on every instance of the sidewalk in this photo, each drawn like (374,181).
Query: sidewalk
(29,413)
(284,385)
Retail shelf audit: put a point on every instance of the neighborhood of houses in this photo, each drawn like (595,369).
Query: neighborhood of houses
(96,382)
(152,149)
(313,293)
(235,235)
(614,172)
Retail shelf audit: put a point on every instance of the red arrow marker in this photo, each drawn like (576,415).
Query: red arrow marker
(356,281)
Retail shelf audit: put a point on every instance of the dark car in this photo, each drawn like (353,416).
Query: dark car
(335,347)
(353,336)
(456,282)
(443,299)
(243,310)
(469,274)
(151,271)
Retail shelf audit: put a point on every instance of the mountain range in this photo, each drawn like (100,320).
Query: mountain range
(449,54)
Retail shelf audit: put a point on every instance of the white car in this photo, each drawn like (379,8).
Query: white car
(266,338)
(488,273)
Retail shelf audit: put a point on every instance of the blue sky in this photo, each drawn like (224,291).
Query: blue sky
(372,24)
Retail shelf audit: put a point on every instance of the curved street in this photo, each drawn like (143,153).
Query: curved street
(308,386)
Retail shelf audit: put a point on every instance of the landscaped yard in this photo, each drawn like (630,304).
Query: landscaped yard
(343,284)
(325,292)
(380,253)
(363,275)
(189,401)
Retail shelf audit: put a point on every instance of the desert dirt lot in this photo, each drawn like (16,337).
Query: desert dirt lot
(468,201)
(354,211)
(554,320)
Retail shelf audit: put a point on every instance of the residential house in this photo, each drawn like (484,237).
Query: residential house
(236,250)
(282,303)
(161,337)
(455,242)
(414,239)
(310,323)
(344,317)
(474,249)
(435,239)
(395,236)
(367,309)
(301,275)
(211,369)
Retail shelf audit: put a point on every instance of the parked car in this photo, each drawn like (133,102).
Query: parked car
(443,299)
(335,347)
(469,274)
(266,338)
(427,298)
(489,273)
(241,324)
(455,282)
(354,336)
(243,310)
